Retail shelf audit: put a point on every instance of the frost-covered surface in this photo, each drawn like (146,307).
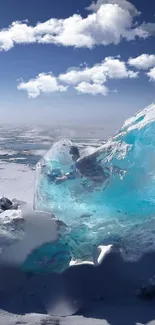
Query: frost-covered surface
(112,198)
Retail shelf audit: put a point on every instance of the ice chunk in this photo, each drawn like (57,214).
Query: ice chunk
(38,230)
(12,222)
(107,196)
(11,227)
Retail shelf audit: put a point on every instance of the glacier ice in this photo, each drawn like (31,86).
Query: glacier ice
(111,199)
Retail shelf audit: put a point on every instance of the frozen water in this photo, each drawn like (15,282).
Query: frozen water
(107,196)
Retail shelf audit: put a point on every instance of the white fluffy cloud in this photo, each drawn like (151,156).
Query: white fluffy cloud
(43,83)
(87,80)
(124,4)
(111,21)
(111,68)
(17,33)
(93,89)
(151,74)
(144,61)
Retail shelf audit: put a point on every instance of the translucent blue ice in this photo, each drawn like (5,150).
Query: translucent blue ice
(112,197)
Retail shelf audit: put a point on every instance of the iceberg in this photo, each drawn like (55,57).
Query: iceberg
(104,197)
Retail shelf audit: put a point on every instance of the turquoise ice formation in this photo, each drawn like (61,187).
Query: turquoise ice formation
(117,207)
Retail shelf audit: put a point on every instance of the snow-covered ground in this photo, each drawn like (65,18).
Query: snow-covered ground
(17,181)
(131,314)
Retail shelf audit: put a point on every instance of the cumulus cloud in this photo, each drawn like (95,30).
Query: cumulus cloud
(144,61)
(111,68)
(124,4)
(111,21)
(93,89)
(43,83)
(17,33)
(151,74)
(88,80)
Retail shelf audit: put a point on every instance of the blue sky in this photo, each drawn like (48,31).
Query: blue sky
(109,98)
